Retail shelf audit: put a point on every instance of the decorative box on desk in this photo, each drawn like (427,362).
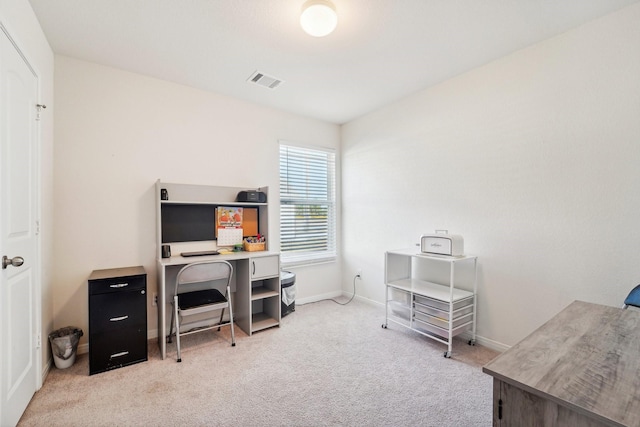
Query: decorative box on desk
(254,247)
(117,318)
(255,243)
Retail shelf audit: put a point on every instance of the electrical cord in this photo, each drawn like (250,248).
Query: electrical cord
(338,302)
(352,296)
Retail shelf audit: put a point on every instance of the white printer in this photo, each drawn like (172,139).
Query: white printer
(442,244)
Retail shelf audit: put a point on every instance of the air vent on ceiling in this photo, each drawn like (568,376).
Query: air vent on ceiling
(262,79)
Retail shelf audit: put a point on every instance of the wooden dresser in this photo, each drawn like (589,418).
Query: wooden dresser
(581,368)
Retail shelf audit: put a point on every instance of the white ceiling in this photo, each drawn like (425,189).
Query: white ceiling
(381,51)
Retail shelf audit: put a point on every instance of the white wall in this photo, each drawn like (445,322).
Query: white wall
(533,158)
(17,17)
(117,133)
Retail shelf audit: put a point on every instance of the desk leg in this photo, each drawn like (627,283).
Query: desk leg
(162,309)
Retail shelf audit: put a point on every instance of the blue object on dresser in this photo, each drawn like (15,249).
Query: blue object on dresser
(633,298)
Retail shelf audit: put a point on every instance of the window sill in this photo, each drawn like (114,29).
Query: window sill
(300,262)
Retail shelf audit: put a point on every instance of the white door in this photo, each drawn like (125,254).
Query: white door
(18,233)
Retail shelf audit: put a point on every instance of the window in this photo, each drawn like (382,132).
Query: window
(307,204)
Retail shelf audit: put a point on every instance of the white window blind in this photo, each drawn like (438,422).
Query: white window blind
(307,204)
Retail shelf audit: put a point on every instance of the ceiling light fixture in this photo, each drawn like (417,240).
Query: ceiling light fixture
(318,17)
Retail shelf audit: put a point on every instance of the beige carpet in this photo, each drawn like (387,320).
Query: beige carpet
(326,365)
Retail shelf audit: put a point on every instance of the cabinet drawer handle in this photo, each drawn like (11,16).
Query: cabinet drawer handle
(253,263)
(122,353)
(119,285)
(117,319)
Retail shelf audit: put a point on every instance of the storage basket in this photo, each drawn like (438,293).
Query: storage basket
(254,247)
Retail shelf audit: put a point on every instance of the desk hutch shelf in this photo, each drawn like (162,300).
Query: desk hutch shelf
(439,309)
(207,197)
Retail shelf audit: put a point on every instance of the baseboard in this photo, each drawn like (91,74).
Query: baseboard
(46,368)
(83,348)
(486,342)
(367,300)
(316,298)
(152,334)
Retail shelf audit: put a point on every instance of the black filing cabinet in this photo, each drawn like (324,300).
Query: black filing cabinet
(117,318)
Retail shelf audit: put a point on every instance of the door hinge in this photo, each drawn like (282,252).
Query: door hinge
(499,409)
(38,340)
(37,228)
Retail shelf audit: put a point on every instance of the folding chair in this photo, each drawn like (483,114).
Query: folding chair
(196,292)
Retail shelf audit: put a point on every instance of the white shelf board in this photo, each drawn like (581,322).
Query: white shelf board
(415,252)
(201,202)
(261,292)
(261,321)
(431,290)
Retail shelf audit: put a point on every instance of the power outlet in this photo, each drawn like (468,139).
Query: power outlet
(155,299)
(359,273)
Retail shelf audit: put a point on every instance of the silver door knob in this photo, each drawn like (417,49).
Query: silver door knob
(16,261)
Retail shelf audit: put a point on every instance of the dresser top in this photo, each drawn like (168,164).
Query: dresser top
(117,272)
(586,358)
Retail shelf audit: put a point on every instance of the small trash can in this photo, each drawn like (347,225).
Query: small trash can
(287,282)
(64,345)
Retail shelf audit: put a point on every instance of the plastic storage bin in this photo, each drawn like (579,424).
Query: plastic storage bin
(64,345)
(287,282)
